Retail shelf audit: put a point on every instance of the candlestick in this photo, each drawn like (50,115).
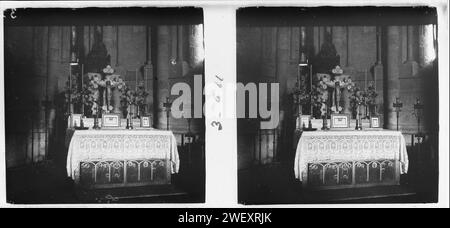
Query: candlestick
(310,91)
(418,107)
(397,105)
(129,118)
(365,79)
(82,95)
(136,76)
(70,90)
(167,105)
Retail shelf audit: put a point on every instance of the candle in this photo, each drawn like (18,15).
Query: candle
(70,89)
(374,81)
(82,75)
(365,78)
(136,75)
(310,90)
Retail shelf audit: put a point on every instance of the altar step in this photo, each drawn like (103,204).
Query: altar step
(379,194)
(145,194)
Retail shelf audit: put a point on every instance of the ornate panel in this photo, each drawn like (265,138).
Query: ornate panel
(99,174)
(323,175)
(363,147)
(119,158)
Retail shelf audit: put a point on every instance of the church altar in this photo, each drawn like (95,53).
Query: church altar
(342,159)
(121,158)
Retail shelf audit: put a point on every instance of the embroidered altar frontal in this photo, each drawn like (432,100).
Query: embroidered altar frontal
(341,159)
(119,158)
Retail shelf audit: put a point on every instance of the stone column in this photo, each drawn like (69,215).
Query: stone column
(109,39)
(181,45)
(410,67)
(162,75)
(196,47)
(282,74)
(180,56)
(426,45)
(282,58)
(148,72)
(174,43)
(54,45)
(340,42)
(378,72)
(393,62)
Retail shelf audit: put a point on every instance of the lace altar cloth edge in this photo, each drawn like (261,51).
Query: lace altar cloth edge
(101,145)
(333,146)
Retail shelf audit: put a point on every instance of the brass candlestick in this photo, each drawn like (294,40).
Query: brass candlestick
(358,126)
(167,105)
(129,119)
(397,105)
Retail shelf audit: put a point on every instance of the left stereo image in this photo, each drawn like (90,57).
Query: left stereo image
(94,112)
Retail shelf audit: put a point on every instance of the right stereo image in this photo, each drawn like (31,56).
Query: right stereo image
(337,105)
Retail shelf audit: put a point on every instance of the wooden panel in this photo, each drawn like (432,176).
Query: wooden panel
(350,174)
(109,174)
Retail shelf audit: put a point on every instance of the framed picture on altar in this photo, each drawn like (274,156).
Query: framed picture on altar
(375,122)
(146,121)
(340,121)
(302,121)
(75,120)
(110,120)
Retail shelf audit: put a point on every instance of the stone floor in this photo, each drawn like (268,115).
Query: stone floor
(47,183)
(275,184)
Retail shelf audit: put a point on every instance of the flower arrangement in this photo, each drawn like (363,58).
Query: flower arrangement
(134,97)
(91,92)
(364,97)
(72,94)
(320,98)
(358,97)
(326,84)
(301,97)
(129,97)
(113,80)
(371,95)
(96,93)
(96,82)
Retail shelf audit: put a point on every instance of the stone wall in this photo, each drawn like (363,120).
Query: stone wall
(37,69)
(394,57)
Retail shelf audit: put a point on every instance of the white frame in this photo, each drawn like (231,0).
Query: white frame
(150,120)
(75,118)
(372,119)
(340,125)
(303,119)
(115,123)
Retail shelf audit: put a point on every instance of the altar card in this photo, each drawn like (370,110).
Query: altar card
(75,120)
(340,121)
(110,120)
(374,122)
(146,121)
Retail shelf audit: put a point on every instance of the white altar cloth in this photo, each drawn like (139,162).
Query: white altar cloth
(101,145)
(351,145)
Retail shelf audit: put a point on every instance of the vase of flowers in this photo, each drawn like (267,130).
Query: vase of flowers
(72,94)
(134,101)
(371,96)
(91,93)
(103,93)
(357,98)
(332,93)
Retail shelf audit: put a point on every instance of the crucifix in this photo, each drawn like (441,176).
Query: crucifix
(167,105)
(418,107)
(397,105)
